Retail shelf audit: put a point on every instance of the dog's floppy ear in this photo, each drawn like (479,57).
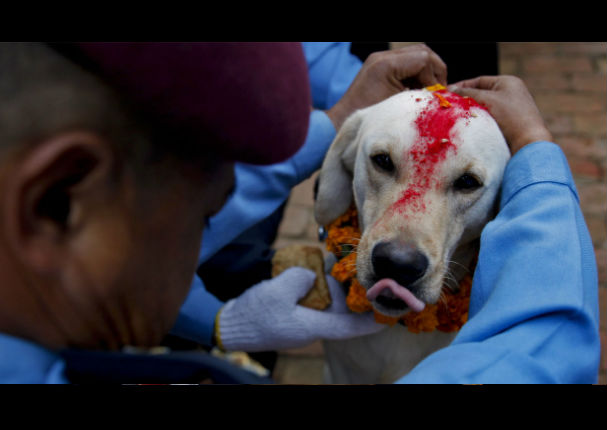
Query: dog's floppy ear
(335,179)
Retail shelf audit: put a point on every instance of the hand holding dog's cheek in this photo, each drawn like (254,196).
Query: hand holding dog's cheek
(512,106)
(382,76)
(335,326)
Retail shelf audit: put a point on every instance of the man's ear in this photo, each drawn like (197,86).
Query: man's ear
(45,192)
(334,194)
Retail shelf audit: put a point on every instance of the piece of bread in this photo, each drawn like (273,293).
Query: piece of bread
(308,257)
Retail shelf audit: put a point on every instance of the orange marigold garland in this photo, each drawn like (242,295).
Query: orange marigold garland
(345,269)
(447,315)
(356,299)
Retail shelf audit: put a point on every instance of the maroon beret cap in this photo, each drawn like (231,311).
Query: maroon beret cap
(246,101)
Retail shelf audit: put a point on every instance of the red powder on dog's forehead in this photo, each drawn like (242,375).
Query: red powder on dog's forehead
(434,124)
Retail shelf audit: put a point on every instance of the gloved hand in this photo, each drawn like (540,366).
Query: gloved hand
(267,317)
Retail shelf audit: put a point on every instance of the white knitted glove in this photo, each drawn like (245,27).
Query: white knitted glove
(267,317)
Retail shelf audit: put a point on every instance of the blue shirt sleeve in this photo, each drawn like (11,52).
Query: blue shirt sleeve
(331,69)
(533,314)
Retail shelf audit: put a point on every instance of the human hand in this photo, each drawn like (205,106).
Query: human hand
(386,73)
(510,104)
(267,317)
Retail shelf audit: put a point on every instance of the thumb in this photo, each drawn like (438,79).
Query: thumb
(483,96)
(481,86)
(481,83)
(463,91)
(340,326)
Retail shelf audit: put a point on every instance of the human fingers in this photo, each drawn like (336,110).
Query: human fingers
(480,83)
(500,93)
(492,90)
(382,75)
(329,325)
(419,62)
(346,326)
(511,105)
(439,69)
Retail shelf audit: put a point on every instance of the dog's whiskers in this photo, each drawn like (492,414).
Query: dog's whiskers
(450,281)
(443,297)
(449,262)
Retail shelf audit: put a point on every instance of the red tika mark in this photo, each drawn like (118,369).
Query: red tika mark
(434,124)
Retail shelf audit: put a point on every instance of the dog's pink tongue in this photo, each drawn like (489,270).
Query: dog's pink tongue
(399,291)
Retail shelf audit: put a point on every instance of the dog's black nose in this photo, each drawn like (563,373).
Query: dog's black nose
(398,261)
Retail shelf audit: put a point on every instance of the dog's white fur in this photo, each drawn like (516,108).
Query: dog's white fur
(445,230)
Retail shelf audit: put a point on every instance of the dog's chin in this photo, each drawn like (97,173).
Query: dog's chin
(389,304)
(394,308)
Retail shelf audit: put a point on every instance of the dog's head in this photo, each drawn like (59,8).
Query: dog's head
(424,170)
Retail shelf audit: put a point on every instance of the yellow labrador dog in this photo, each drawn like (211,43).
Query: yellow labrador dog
(424,169)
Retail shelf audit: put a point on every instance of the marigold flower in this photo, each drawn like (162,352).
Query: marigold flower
(345,269)
(442,101)
(385,319)
(357,298)
(436,87)
(341,241)
(426,320)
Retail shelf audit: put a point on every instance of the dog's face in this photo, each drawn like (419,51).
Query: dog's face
(425,178)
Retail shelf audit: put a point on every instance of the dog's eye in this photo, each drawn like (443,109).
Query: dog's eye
(466,182)
(383,161)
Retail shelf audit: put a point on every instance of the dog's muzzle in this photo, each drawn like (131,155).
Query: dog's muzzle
(397,266)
